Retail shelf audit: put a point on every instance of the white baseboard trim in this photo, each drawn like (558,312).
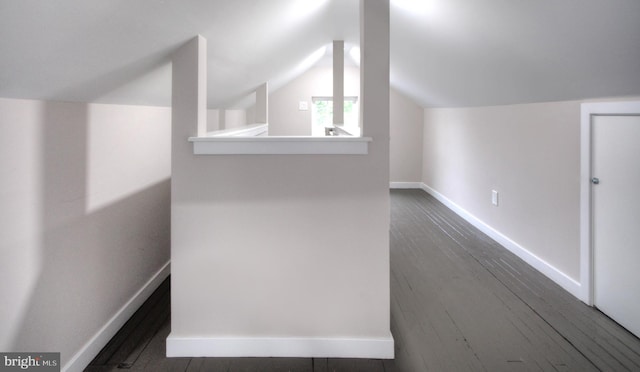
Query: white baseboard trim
(570,285)
(89,351)
(371,348)
(405,185)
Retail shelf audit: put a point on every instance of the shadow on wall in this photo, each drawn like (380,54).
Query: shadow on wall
(86,263)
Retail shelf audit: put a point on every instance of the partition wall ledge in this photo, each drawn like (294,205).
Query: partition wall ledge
(273,145)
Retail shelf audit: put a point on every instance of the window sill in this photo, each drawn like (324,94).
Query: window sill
(280,145)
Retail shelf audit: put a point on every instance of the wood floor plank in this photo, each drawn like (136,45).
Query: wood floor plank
(389,365)
(100,368)
(355,365)
(320,365)
(250,364)
(606,344)
(153,357)
(544,324)
(134,330)
(457,301)
(151,324)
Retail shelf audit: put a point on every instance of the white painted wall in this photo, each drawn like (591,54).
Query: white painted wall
(281,247)
(284,117)
(213,120)
(528,153)
(233,118)
(406,117)
(84,220)
(406,122)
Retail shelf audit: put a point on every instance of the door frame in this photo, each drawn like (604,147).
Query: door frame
(587,111)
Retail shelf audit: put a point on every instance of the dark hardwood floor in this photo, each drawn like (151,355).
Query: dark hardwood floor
(459,302)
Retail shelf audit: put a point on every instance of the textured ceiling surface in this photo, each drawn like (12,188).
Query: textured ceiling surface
(443,52)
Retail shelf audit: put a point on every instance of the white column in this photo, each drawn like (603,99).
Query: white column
(262,104)
(374,70)
(338,82)
(189,89)
(188,119)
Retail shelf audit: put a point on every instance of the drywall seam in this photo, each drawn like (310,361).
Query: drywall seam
(372,348)
(560,278)
(89,351)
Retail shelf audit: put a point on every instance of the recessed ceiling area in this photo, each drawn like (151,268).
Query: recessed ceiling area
(447,53)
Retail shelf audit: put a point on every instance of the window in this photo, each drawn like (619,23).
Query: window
(322,116)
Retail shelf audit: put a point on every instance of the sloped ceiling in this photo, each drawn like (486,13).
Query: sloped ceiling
(444,52)
(487,52)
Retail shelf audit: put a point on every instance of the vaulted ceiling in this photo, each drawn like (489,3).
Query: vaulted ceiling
(443,52)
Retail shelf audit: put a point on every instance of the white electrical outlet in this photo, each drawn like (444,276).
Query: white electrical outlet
(494,197)
(303,106)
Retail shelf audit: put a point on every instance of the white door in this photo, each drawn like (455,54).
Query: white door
(615,166)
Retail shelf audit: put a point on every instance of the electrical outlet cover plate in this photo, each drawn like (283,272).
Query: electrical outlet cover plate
(494,197)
